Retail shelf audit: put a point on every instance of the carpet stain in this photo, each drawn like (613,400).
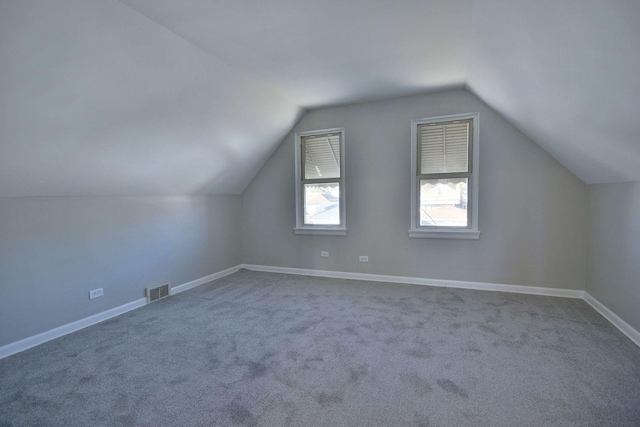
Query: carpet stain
(471,416)
(391,340)
(178,380)
(268,355)
(488,329)
(294,355)
(304,326)
(15,397)
(286,380)
(448,297)
(325,399)
(313,362)
(116,364)
(472,348)
(86,379)
(342,351)
(239,414)
(421,420)
(315,359)
(127,420)
(418,384)
(532,314)
(494,318)
(351,331)
(515,344)
(418,353)
(554,347)
(121,403)
(502,302)
(358,372)
(256,370)
(213,362)
(453,388)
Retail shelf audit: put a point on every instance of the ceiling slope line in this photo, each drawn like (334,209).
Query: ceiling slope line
(519,129)
(303,112)
(242,73)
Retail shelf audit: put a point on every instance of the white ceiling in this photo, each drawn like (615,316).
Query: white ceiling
(190,97)
(324,52)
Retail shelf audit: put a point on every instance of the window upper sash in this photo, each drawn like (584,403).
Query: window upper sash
(320,157)
(445,148)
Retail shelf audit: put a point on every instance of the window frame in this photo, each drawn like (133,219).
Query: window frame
(318,229)
(441,232)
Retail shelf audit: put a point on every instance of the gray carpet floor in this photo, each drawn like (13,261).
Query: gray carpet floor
(275,350)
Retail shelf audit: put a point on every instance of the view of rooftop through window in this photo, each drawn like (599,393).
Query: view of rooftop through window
(443,202)
(322,204)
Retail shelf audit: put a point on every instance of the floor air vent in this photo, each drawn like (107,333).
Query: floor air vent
(154,294)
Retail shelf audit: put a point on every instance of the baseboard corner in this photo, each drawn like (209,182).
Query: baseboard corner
(205,279)
(623,326)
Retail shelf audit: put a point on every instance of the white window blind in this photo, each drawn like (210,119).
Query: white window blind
(321,154)
(444,147)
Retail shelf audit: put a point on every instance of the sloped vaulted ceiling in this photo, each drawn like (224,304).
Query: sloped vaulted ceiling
(188,97)
(567,73)
(97,99)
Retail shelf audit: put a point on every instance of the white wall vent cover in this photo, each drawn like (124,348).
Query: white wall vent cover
(161,291)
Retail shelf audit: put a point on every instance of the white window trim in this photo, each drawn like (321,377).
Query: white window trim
(471,232)
(328,230)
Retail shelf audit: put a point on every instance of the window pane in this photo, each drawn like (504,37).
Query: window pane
(443,202)
(321,156)
(322,204)
(444,147)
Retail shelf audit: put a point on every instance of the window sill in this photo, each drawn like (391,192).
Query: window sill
(445,234)
(321,231)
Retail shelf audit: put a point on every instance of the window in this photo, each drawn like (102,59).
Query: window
(320,189)
(444,177)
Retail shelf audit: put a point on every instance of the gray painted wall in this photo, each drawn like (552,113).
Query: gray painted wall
(53,250)
(613,248)
(531,207)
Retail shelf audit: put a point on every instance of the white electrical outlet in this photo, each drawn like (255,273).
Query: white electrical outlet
(364,258)
(96,293)
(324,254)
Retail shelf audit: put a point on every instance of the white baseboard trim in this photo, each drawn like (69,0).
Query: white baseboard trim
(35,340)
(532,290)
(624,327)
(205,279)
